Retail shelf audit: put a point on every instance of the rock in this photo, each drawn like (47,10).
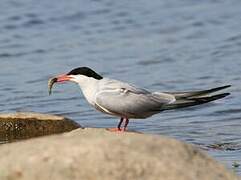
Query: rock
(25,125)
(98,154)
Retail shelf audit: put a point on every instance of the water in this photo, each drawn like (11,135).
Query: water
(158,45)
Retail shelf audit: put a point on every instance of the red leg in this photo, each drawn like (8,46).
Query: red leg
(125,125)
(118,127)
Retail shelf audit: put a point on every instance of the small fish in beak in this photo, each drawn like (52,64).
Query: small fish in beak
(51,83)
(60,78)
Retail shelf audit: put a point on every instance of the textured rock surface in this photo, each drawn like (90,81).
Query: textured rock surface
(99,154)
(25,125)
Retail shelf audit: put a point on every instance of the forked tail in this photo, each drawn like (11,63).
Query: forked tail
(193,98)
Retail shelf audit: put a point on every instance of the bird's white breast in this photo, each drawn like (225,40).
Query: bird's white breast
(89,94)
(89,87)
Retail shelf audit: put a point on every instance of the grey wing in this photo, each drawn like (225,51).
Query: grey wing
(111,84)
(130,102)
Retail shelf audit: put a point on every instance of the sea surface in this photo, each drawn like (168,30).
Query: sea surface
(158,45)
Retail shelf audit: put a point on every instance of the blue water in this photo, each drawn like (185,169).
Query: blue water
(159,45)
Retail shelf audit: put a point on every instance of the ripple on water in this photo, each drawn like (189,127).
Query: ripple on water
(226,146)
(226,111)
(171,45)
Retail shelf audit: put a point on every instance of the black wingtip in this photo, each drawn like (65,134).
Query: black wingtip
(220,88)
(202,100)
(227,86)
(225,94)
(218,96)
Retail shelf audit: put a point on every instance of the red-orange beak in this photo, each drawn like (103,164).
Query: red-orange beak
(62,78)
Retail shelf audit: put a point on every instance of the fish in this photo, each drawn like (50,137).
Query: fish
(51,83)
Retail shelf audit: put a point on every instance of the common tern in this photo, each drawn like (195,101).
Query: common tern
(126,101)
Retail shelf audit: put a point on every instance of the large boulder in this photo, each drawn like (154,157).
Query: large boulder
(93,154)
(23,125)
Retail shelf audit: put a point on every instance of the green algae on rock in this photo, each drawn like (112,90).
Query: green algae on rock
(22,125)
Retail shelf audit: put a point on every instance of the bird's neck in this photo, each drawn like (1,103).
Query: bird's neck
(89,88)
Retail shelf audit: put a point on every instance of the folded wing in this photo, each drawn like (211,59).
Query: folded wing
(130,103)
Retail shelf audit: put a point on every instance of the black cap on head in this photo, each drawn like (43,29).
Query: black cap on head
(86,72)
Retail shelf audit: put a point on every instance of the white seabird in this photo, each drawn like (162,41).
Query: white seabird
(126,101)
